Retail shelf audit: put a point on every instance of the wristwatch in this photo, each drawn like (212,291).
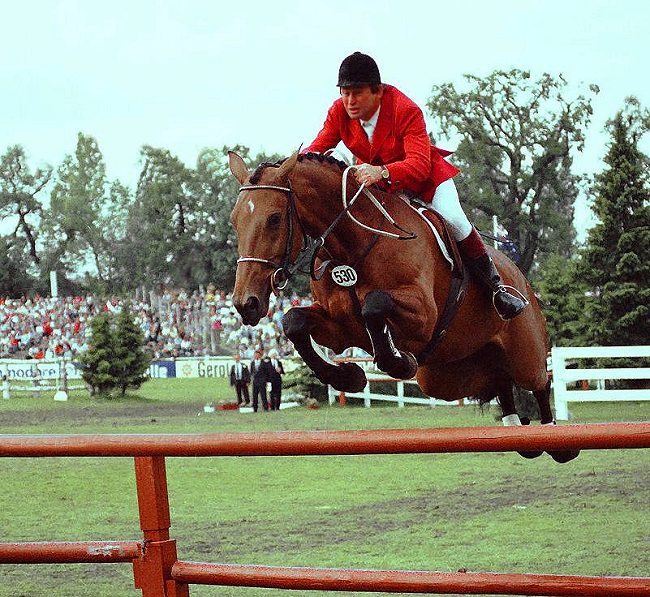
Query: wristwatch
(385,174)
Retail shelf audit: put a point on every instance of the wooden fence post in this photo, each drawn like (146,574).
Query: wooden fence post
(152,572)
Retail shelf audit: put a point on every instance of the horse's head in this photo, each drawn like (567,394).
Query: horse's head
(262,219)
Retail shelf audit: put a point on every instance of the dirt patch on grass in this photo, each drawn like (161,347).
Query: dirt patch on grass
(435,508)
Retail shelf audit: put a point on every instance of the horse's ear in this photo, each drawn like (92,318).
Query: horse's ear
(288,165)
(238,167)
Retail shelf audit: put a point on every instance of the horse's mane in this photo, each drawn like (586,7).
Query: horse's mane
(310,156)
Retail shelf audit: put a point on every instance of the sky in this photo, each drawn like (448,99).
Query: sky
(188,75)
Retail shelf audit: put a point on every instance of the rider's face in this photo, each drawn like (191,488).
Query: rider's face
(360,102)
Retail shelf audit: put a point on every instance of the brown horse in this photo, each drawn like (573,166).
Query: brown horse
(377,289)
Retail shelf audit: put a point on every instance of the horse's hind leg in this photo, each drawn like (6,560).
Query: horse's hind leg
(509,412)
(544,402)
(298,324)
(376,308)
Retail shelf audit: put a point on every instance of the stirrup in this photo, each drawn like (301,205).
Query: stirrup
(504,288)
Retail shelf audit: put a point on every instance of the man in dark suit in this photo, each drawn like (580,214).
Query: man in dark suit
(261,373)
(240,377)
(276,373)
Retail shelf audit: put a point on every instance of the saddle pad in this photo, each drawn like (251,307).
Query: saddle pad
(421,211)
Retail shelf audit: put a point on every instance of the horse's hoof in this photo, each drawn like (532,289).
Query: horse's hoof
(529,453)
(405,367)
(563,456)
(350,378)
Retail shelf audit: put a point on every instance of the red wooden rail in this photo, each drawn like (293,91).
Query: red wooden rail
(322,443)
(159,573)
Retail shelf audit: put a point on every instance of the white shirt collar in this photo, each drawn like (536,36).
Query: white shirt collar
(370,124)
(372,120)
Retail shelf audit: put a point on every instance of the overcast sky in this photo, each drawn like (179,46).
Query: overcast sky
(195,74)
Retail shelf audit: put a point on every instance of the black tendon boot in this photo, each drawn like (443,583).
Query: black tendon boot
(506,304)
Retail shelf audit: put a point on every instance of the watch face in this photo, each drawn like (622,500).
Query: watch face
(385,173)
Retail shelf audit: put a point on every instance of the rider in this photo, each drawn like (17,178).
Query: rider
(386,132)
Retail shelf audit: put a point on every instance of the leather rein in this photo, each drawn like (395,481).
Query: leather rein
(308,252)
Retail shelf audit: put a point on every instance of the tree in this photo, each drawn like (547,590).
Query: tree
(616,258)
(178,229)
(517,137)
(565,300)
(86,215)
(98,362)
(14,280)
(116,358)
(131,362)
(19,190)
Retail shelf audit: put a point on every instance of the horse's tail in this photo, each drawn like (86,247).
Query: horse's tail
(485,397)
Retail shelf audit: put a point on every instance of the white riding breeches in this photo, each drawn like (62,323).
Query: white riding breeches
(445,201)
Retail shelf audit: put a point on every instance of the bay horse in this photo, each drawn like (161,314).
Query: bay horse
(385,292)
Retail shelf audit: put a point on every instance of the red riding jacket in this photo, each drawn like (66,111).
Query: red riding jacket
(400,142)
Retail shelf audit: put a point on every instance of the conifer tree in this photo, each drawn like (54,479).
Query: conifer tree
(98,362)
(616,259)
(131,362)
(564,300)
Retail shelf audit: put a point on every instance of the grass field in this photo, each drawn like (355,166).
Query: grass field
(481,512)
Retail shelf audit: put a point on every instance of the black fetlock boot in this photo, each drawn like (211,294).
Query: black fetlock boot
(506,304)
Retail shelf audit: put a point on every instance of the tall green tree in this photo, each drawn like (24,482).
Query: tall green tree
(179,228)
(21,204)
(86,215)
(616,258)
(517,135)
(158,243)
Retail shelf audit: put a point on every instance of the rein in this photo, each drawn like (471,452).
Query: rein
(310,246)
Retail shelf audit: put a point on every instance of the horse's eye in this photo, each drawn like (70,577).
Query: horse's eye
(274,220)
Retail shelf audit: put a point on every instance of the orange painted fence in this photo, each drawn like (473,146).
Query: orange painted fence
(159,573)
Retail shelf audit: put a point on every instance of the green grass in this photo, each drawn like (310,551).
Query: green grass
(494,512)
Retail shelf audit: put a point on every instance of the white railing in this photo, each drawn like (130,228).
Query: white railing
(400,398)
(36,376)
(562,376)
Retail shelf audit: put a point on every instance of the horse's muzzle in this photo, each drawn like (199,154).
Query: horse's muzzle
(250,311)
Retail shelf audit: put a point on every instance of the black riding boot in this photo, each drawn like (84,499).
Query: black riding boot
(507,305)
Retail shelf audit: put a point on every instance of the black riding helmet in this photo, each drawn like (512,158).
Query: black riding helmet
(358,69)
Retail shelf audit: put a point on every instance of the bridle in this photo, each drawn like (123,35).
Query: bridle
(310,246)
(284,270)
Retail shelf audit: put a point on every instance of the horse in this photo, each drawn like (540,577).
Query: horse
(386,291)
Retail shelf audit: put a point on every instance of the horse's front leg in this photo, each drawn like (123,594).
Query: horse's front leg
(377,307)
(299,323)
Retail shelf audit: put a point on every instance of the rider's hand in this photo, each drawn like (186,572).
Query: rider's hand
(368,173)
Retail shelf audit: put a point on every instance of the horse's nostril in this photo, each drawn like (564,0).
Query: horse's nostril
(252,304)
(250,310)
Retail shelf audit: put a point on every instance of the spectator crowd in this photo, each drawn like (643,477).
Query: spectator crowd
(175,323)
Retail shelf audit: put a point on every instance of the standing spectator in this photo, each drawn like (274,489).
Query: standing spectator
(276,373)
(261,374)
(240,377)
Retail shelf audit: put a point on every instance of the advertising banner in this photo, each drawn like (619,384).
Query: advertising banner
(30,369)
(204,367)
(162,369)
(212,367)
